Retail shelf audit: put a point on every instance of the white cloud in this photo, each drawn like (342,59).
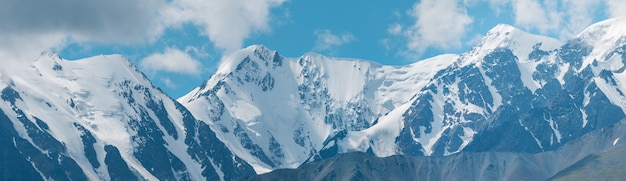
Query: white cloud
(443,24)
(395,29)
(227,23)
(27,28)
(172,60)
(579,14)
(563,18)
(30,28)
(496,5)
(438,23)
(117,21)
(169,83)
(17,48)
(616,8)
(326,40)
(531,14)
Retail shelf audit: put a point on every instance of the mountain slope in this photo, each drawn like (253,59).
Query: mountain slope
(515,97)
(607,165)
(278,112)
(98,119)
(604,144)
(513,92)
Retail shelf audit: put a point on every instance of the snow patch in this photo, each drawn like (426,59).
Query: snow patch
(497,98)
(428,140)
(561,74)
(554,126)
(531,134)
(612,92)
(527,68)
(381,135)
(584,113)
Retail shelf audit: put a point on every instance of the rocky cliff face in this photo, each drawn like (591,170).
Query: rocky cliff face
(98,119)
(596,155)
(513,92)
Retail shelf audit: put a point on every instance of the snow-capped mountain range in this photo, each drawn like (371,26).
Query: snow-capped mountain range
(100,118)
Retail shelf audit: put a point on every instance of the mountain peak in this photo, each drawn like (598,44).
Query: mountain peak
(50,54)
(256,47)
(507,36)
(515,39)
(600,37)
(505,28)
(610,28)
(255,57)
(111,61)
(231,61)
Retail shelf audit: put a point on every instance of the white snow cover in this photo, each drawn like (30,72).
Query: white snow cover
(280,114)
(48,87)
(603,36)
(2,84)
(285,128)
(520,43)
(346,78)
(386,91)
(399,85)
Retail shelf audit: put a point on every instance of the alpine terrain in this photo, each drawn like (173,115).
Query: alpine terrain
(513,92)
(517,106)
(98,119)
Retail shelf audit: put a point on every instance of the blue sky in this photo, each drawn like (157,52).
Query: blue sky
(179,43)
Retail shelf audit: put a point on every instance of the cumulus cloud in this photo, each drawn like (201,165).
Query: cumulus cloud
(616,8)
(579,14)
(438,23)
(169,83)
(497,5)
(564,18)
(443,24)
(119,21)
(535,14)
(172,60)
(326,40)
(17,47)
(44,25)
(227,23)
(28,27)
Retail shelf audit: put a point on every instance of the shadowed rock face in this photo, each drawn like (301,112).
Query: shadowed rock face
(512,92)
(609,165)
(515,107)
(115,126)
(591,157)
